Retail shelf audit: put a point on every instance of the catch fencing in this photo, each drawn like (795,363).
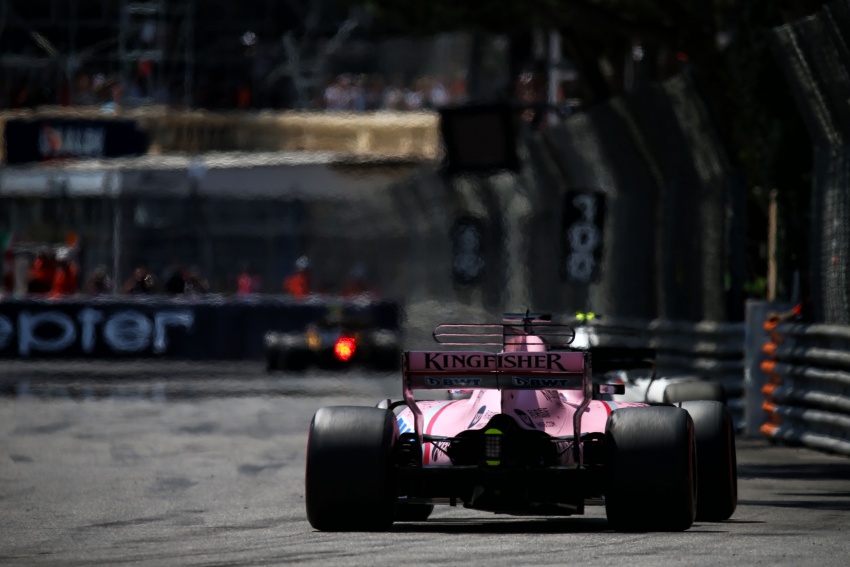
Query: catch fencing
(806,367)
(807,396)
(814,55)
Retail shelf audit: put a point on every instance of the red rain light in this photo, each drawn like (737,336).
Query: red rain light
(344,348)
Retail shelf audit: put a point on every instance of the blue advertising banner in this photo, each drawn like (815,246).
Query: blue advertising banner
(194,329)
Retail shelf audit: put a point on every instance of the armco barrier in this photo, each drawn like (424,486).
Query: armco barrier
(211,328)
(708,351)
(807,397)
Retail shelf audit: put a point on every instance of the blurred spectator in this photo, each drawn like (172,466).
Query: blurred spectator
(529,89)
(414,97)
(175,282)
(336,96)
(83,94)
(457,88)
(357,95)
(247,283)
(42,272)
(357,283)
(243,96)
(141,282)
(438,95)
(394,95)
(194,282)
(22,97)
(65,278)
(346,92)
(98,282)
(137,89)
(298,284)
(374,92)
(8,271)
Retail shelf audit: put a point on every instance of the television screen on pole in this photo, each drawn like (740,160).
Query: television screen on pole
(479,138)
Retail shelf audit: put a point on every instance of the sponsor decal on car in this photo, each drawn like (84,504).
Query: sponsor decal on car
(525,419)
(454,382)
(479,414)
(544,382)
(519,363)
(551,395)
(441,362)
(403,426)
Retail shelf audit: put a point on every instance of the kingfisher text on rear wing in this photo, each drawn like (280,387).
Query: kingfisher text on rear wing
(520,370)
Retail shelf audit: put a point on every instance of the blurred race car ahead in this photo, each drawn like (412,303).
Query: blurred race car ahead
(345,334)
(530,440)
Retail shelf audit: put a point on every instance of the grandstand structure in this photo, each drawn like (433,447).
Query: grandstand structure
(212,54)
(220,185)
(220,191)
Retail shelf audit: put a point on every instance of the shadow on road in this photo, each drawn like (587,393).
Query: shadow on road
(827,504)
(521,526)
(814,471)
(814,486)
(506,526)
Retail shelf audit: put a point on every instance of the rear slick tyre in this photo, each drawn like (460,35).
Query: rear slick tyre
(651,461)
(349,483)
(717,474)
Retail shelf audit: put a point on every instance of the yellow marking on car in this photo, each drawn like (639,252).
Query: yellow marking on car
(493,447)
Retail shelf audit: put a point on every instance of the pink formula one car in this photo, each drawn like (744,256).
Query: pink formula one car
(530,440)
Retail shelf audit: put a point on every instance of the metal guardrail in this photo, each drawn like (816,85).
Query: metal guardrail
(807,396)
(707,351)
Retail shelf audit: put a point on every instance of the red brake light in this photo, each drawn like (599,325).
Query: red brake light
(344,348)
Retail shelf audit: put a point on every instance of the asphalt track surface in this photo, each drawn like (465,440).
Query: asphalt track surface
(203,464)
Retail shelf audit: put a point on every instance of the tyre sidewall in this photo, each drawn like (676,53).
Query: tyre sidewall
(716,460)
(651,469)
(349,482)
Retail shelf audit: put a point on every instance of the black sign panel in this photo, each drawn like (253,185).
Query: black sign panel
(583,228)
(468,250)
(479,138)
(56,138)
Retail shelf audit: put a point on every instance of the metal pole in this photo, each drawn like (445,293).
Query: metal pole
(116,244)
(771,246)
(189,56)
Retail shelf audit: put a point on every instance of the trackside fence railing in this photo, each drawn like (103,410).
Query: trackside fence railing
(807,394)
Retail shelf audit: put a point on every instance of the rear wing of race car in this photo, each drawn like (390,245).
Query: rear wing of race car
(526,360)
(512,370)
(534,354)
(516,370)
(527,329)
(527,357)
